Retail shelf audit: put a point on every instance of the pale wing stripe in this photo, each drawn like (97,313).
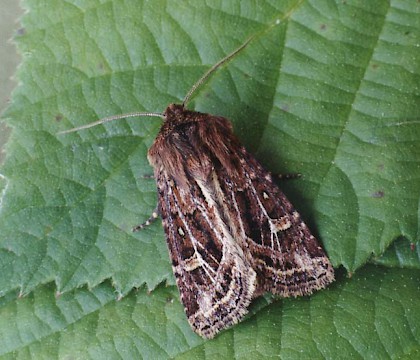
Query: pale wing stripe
(273,228)
(194,242)
(227,236)
(238,216)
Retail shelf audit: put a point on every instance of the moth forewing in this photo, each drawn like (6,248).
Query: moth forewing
(231,233)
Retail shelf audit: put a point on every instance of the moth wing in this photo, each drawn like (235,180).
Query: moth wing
(288,259)
(215,281)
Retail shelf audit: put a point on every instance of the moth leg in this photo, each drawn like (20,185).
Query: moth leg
(148,176)
(148,222)
(288,176)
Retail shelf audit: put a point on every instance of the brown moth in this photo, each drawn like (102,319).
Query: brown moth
(232,234)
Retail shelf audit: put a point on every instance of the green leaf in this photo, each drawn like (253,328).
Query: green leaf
(327,89)
(362,317)
(401,254)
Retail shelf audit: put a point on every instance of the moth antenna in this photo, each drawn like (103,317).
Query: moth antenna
(108,119)
(214,68)
(184,103)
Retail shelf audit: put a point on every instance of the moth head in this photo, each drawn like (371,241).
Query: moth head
(174,111)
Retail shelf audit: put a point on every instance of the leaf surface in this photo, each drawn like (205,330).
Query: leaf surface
(327,89)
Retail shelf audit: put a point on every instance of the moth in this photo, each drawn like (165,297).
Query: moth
(231,232)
